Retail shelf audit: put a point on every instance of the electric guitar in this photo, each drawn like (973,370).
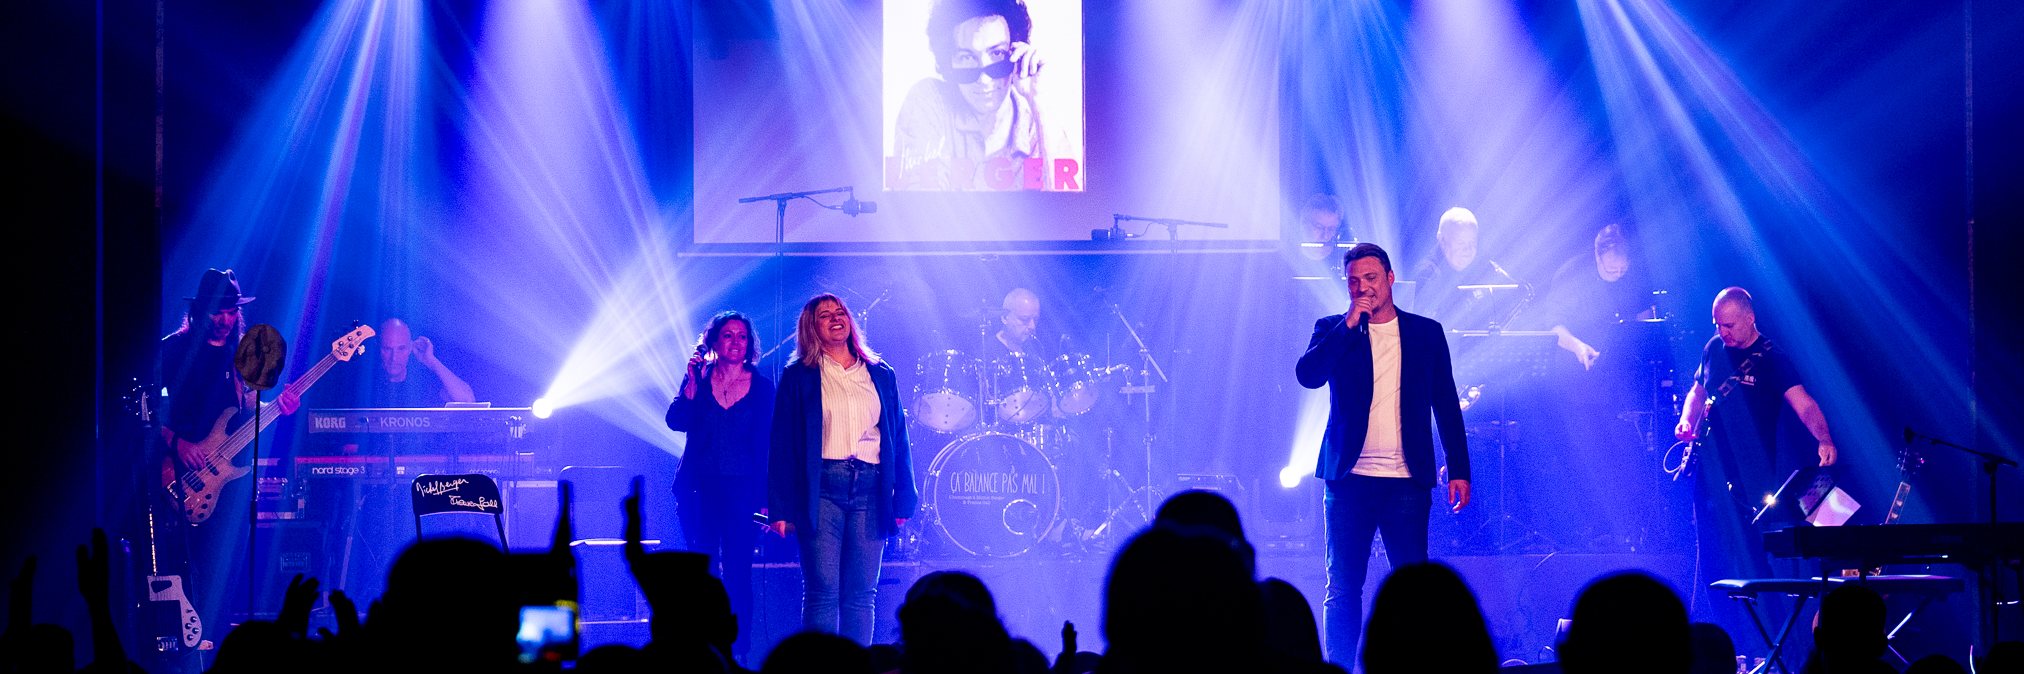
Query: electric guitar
(196,489)
(1909,463)
(189,628)
(1689,448)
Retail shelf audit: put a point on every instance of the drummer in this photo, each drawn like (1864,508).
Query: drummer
(1021,318)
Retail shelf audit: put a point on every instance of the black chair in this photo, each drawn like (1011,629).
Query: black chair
(473,493)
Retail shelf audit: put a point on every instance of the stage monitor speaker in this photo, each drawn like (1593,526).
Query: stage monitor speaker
(286,548)
(530,513)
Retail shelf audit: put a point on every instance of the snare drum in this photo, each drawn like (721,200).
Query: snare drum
(993,495)
(945,391)
(1021,383)
(1075,378)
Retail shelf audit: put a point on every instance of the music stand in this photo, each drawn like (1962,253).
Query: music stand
(1801,495)
(1510,357)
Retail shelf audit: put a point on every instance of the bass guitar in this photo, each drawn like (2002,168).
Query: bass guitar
(195,488)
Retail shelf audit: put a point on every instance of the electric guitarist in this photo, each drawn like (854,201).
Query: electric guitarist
(1742,465)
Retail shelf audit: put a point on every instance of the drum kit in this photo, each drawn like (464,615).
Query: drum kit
(996,490)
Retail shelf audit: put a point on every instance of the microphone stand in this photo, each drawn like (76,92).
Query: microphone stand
(1990,462)
(781,199)
(1991,601)
(1519,308)
(780,248)
(1173,225)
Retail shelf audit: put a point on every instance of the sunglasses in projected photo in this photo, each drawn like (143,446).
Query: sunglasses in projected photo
(996,71)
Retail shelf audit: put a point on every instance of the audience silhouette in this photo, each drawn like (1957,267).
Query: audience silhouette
(1292,640)
(949,625)
(1714,651)
(1627,622)
(1849,634)
(1180,597)
(1425,619)
(2006,657)
(1935,664)
(817,653)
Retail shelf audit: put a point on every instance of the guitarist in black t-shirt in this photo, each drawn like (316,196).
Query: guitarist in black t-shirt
(1743,384)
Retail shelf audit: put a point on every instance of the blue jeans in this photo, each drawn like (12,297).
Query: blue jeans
(840,553)
(1356,507)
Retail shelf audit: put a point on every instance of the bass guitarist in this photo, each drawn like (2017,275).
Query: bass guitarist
(195,368)
(1750,381)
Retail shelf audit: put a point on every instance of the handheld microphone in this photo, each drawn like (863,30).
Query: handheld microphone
(702,350)
(1363,322)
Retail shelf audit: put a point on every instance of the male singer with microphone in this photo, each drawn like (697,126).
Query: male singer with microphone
(1390,384)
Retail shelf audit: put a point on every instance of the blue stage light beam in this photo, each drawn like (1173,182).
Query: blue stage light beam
(1453,105)
(1707,163)
(1357,99)
(569,258)
(1212,142)
(1495,132)
(329,158)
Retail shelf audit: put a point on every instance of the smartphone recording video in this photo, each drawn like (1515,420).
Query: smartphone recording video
(547,633)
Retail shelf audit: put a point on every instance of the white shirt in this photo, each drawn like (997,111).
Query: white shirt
(850,411)
(1384,453)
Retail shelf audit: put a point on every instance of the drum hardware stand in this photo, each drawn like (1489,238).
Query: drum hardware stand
(789,339)
(863,316)
(1148,367)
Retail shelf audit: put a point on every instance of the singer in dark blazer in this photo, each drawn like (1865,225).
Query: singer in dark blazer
(1379,468)
(841,470)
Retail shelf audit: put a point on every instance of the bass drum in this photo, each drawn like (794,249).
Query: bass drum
(945,395)
(993,495)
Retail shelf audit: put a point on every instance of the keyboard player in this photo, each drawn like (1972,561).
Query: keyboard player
(367,517)
(400,385)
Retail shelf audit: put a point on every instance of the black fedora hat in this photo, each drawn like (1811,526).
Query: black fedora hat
(218,290)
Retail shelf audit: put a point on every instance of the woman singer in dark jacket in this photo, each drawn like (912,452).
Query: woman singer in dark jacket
(726,407)
(842,470)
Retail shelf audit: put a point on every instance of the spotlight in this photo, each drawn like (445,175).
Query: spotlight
(1289,477)
(542,408)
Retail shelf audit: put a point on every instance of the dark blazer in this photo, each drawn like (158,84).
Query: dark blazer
(792,486)
(1339,356)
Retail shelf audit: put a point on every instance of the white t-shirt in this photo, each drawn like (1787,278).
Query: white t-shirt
(850,410)
(1384,452)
